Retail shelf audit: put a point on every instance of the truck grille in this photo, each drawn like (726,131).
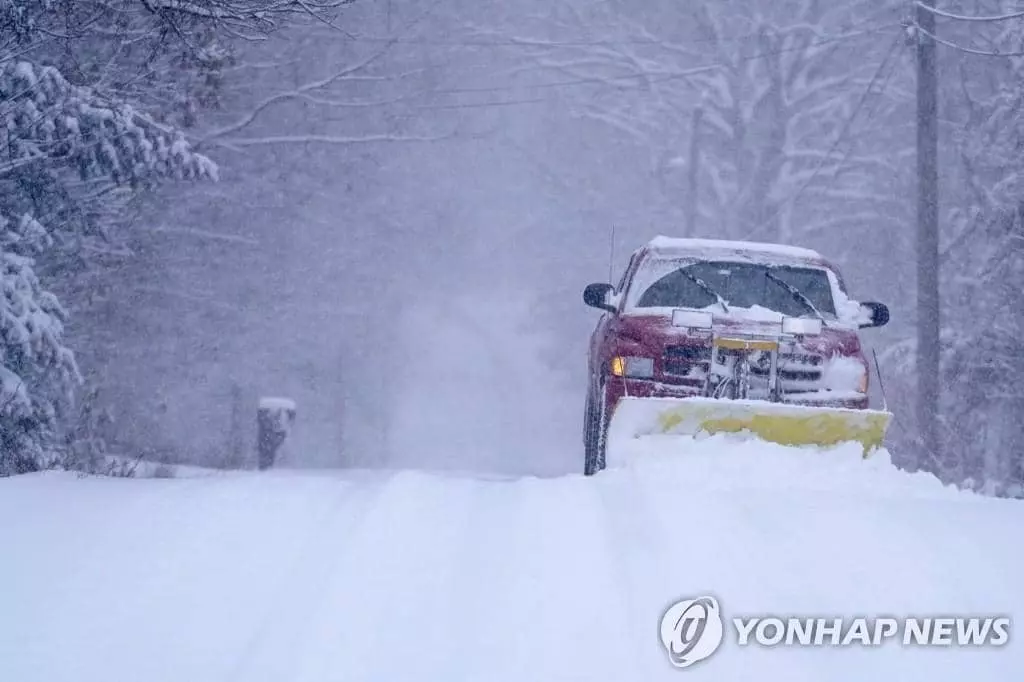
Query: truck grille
(799,367)
(797,371)
(681,361)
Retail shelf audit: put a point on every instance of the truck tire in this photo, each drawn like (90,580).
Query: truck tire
(595,441)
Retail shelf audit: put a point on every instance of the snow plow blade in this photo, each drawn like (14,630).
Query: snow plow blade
(780,423)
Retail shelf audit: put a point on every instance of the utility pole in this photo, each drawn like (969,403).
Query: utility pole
(928,321)
(692,196)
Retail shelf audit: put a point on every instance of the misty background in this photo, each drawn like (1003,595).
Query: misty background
(404,200)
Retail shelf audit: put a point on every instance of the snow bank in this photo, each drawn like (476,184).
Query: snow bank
(737,462)
(412,576)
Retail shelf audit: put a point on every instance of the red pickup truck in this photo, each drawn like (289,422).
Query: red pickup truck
(724,320)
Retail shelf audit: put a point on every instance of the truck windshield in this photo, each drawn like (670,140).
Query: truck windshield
(742,285)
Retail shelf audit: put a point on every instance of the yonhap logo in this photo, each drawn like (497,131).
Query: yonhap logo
(692,630)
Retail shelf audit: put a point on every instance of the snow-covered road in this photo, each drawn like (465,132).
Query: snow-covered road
(321,577)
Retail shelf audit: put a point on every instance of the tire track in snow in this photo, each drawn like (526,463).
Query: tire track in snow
(540,601)
(381,616)
(199,560)
(269,651)
(489,553)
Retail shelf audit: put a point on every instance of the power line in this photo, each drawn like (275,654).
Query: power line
(664,77)
(871,114)
(538,43)
(479,105)
(541,100)
(961,17)
(968,50)
(598,81)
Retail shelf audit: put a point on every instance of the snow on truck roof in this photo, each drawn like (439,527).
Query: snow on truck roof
(682,245)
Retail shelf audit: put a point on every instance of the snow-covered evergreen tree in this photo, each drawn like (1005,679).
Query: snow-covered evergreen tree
(94,95)
(36,368)
(71,156)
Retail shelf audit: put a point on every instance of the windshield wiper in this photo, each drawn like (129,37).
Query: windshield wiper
(797,294)
(707,288)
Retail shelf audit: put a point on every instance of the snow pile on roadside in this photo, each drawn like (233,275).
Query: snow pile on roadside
(740,462)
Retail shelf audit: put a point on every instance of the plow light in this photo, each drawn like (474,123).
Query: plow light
(637,368)
(693,319)
(801,326)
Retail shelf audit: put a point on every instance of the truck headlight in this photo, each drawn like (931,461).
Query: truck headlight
(633,367)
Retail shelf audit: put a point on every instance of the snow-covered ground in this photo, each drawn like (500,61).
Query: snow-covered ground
(291,576)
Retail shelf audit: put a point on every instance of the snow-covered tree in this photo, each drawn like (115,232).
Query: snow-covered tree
(984,273)
(94,96)
(36,368)
(308,124)
(784,94)
(66,148)
(79,148)
(981,260)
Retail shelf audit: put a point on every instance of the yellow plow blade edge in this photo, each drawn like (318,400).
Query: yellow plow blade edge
(774,422)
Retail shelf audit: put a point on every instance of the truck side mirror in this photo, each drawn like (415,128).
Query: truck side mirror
(596,296)
(873,314)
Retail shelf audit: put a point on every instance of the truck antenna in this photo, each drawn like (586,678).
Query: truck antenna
(611,255)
